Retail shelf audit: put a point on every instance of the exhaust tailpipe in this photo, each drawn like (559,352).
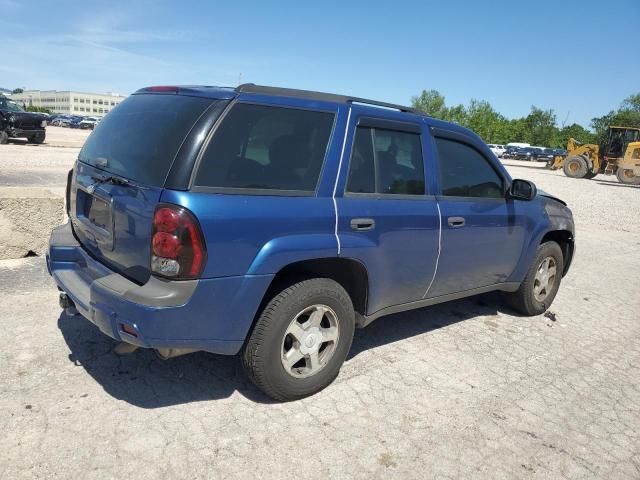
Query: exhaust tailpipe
(124,348)
(167,353)
(67,304)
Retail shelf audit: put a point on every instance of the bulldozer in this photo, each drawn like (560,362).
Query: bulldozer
(618,155)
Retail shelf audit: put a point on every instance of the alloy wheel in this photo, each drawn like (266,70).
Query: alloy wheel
(545,279)
(310,341)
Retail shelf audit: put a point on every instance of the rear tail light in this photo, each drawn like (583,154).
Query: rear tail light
(177,246)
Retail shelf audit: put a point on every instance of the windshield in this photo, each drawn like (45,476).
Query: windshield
(10,105)
(142,135)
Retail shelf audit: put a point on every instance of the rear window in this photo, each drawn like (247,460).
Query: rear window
(267,148)
(140,137)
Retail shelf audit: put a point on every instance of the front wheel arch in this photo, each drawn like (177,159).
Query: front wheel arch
(565,240)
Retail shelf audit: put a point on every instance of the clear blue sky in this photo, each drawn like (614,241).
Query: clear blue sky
(577,57)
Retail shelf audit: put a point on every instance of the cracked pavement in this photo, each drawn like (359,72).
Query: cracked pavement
(466,389)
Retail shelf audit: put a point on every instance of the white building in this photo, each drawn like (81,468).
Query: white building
(75,103)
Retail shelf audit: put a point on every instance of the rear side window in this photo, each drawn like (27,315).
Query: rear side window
(464,172)
(140,137)
(386,161)
(266,147)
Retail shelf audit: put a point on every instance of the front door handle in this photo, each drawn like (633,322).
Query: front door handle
(363,224)
(456,222)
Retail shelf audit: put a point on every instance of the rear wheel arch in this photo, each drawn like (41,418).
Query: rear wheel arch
(349,273)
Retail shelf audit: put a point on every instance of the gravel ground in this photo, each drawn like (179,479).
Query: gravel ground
(466,389)
(41,165)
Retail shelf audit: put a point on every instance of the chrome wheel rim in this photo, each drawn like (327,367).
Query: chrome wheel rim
(310,341)
(545,279)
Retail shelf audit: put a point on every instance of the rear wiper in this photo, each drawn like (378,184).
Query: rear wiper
(106,179)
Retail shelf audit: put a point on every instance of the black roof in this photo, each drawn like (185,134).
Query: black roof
(320,96)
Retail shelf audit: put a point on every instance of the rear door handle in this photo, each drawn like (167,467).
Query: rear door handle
(456,222)
(363,224)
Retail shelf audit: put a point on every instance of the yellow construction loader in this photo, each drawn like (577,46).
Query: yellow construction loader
(618,155)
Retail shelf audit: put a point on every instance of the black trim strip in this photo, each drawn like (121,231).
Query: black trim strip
(253,191)
(389,125)
(363,321)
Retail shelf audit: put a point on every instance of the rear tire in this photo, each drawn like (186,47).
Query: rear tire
(4,137)
(540,286)
(300,339)
(575,167)
(627,177)
(38,138)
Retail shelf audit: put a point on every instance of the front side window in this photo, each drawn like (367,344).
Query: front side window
(465,172)
(386,161)
(267,147)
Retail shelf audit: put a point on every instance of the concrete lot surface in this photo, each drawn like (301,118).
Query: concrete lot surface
(466,389)
(32,181)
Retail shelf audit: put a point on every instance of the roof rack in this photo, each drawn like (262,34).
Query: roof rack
(328,97)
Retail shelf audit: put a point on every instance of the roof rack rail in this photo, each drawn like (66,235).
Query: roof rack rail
(329,97)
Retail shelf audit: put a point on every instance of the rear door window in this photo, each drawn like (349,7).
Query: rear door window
(465,172)
(267,148)
(140,138)
(387,162)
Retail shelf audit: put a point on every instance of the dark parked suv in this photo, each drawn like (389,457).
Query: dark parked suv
(271,222)
(15,122)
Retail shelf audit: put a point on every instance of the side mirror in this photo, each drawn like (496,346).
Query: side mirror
(522,190)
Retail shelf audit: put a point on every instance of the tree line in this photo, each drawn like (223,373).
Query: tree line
(539,127)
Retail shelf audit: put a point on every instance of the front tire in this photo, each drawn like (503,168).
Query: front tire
(575,167)
(541,284)
(300,339)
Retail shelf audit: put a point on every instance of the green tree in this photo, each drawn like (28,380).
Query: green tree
(484,120)
(31,108)
(627,115)
(17,90)
(432,103)
(540,126)
(537,128)
(573,131)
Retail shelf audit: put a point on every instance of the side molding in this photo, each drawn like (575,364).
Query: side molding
(363,321)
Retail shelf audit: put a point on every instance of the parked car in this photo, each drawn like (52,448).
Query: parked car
(510,151)
(498,150)
(525,153)
(57,120)
(88,123)
(271,222)
(74,122)
(543,155)
(15,122)
(518,144)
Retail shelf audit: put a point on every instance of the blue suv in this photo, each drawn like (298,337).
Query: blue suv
(271,222)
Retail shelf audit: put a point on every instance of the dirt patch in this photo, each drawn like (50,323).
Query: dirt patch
(27,217)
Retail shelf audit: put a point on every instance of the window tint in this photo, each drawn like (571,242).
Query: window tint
(267,147)
(386,161)
(464,172)
(141,137)
(362,178)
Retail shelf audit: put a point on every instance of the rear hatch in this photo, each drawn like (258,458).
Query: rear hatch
(121,171)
